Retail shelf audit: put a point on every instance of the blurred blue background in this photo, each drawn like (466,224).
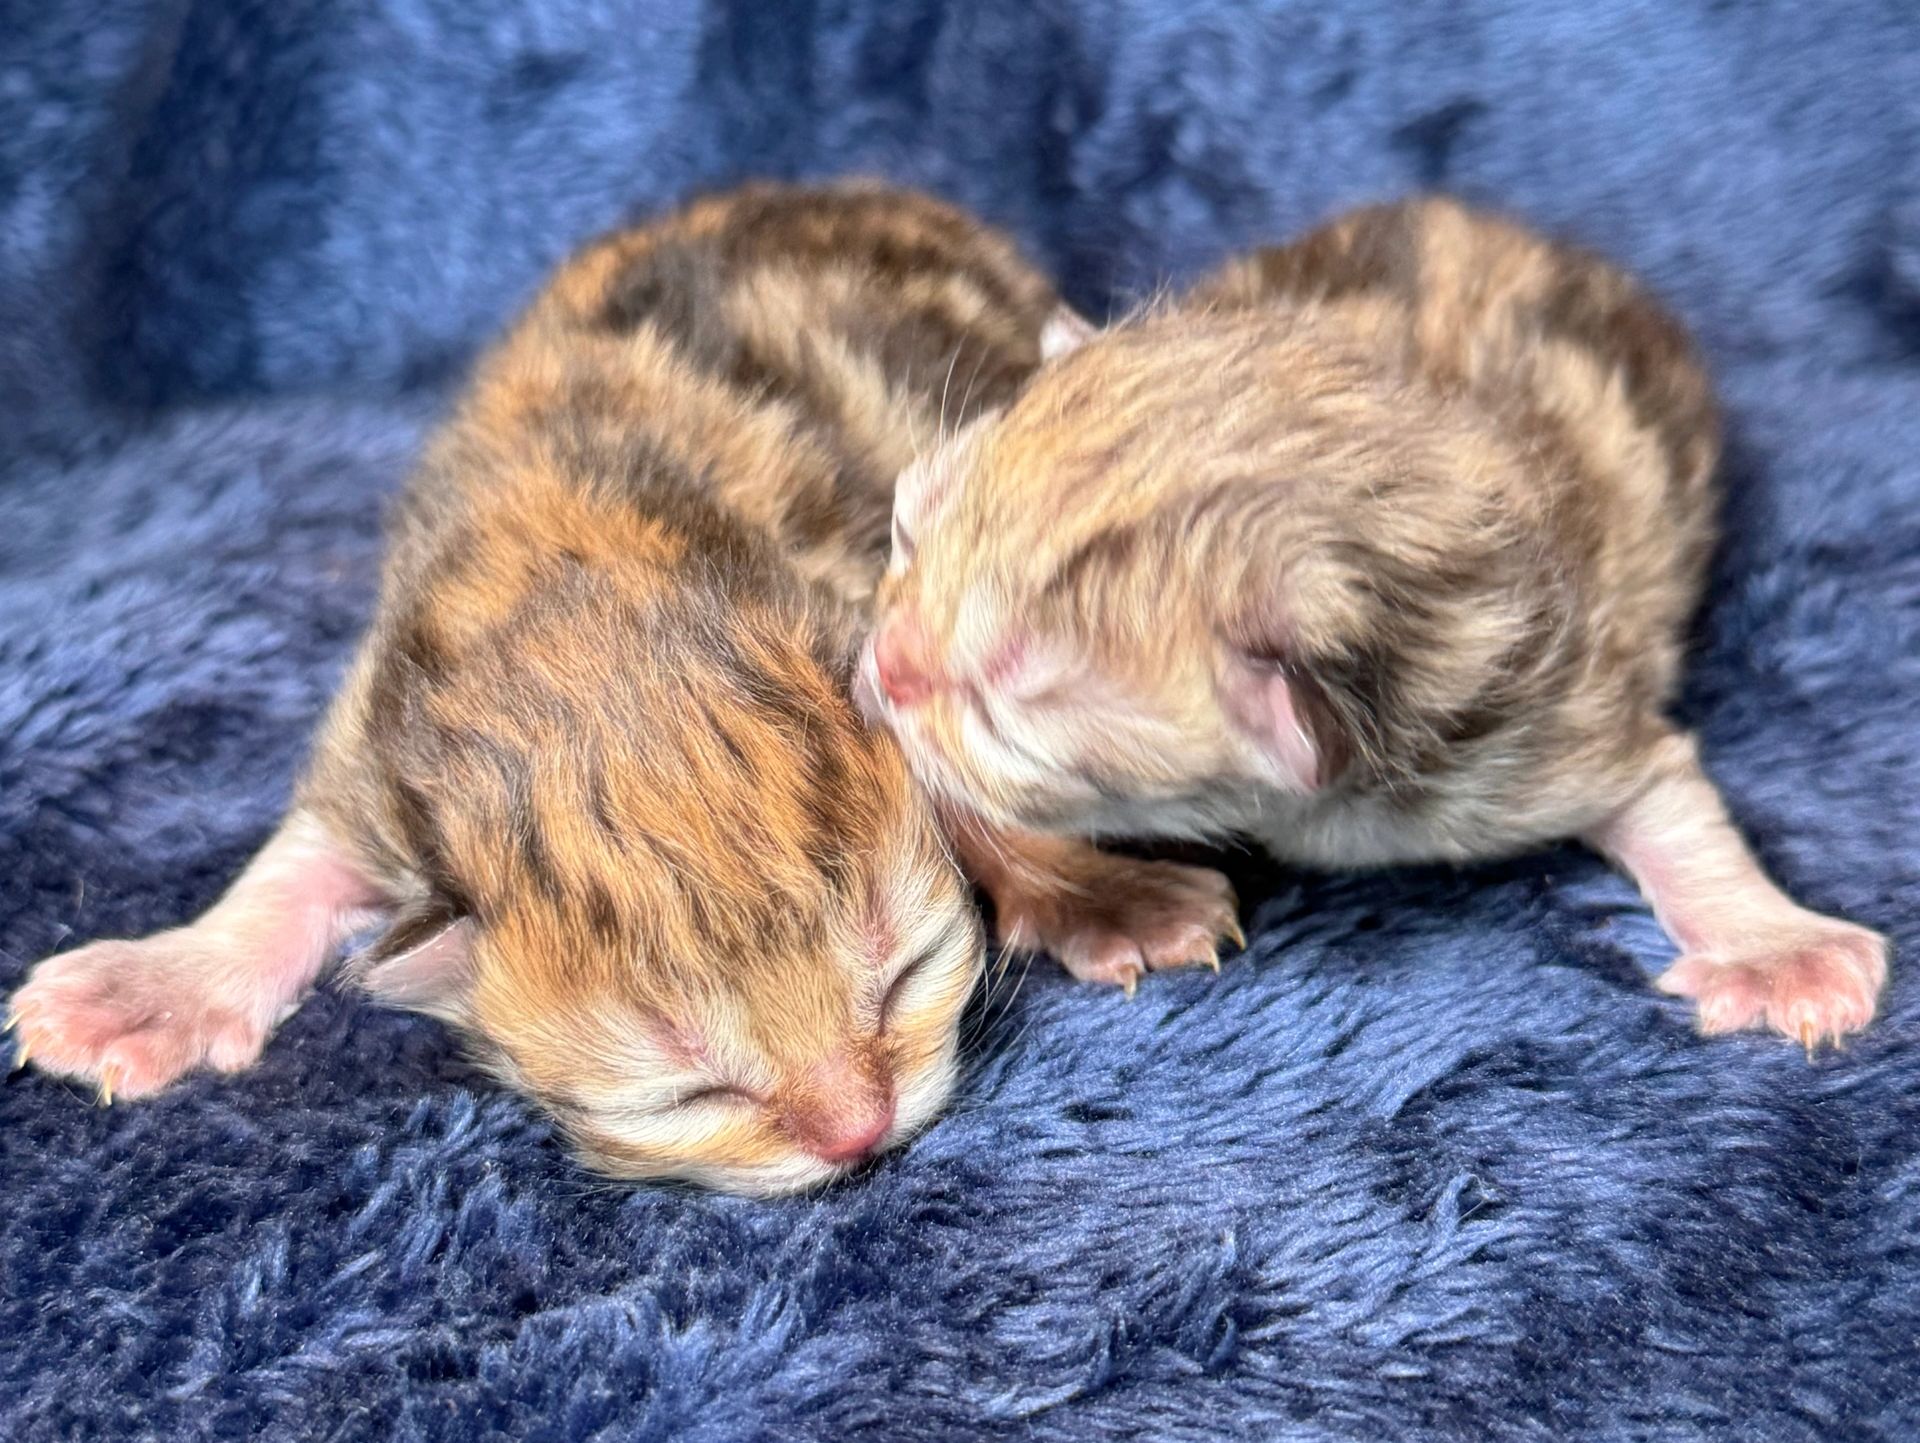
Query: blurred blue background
(1432,1162)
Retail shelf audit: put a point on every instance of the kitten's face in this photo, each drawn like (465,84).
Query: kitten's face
(1134,601)
(1045,649)
(723,940)
(821,1044)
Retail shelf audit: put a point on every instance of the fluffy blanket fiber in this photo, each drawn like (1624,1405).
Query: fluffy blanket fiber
(1431,1161)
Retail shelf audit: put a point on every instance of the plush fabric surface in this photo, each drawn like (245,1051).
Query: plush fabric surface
(1432,1162)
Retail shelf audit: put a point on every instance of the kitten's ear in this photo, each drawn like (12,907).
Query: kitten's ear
(928,482)
(912,495)
(1066,330)
(1283,711)
(424,963)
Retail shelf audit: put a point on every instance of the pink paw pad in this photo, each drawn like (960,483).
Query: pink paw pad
(1817,984)
(129,1017)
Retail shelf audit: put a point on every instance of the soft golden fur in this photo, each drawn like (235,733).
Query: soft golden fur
(1379,547)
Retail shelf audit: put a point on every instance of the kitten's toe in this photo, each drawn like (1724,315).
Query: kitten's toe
(129,1018)
(1124,918)
(1814,983)
(1828,984)
(1110,961)
(1727,997)
(1179,916)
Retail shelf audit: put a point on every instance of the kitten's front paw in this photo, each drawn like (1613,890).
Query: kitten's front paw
(131,1017)
(1820,980)
(1115,918)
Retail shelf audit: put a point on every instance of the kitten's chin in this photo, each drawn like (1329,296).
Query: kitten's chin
(777,1177)
(1061,803)
(1028,797)
(919,1100)
(782,1179)
(941,779)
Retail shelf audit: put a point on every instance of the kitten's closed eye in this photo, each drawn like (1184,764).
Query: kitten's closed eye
(900,991)
(718,1094)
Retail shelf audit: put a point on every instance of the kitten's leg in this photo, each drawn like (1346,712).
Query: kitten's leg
(131,1017)
(1749,954)
(1104,918)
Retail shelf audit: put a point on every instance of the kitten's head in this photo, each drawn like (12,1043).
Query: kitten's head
(690,901)
(1202,563)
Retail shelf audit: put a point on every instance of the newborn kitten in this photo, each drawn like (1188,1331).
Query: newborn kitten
(1380,548)
(596,773)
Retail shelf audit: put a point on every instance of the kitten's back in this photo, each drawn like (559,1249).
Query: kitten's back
(691,436)
(1559,346)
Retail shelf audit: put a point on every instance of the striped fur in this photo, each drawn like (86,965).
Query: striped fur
(1380,547)
(604,709)
(596,765)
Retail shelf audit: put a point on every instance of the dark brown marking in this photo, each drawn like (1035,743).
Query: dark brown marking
(602,914)
(1109,548)
(1601,312)
(1377,250)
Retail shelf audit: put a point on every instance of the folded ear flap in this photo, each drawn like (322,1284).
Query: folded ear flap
(424,963)
(1066,330)
(930,480)
(1284,712)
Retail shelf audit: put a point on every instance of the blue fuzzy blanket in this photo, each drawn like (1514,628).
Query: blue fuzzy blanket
(1431,1162)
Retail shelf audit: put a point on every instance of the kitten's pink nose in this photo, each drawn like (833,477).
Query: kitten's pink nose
(852,1140)
(900,662)
(844,1109)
